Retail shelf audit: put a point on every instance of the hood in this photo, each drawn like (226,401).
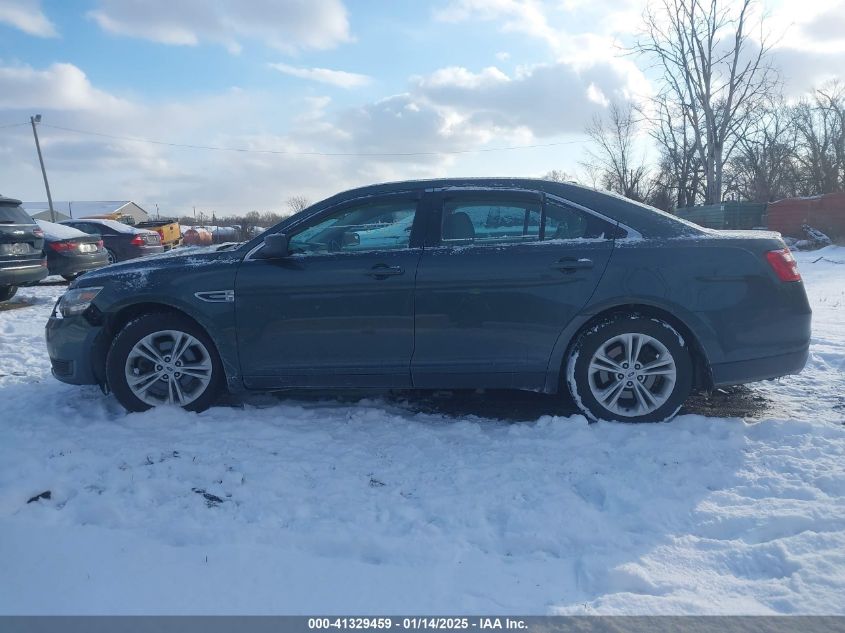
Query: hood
(177,261)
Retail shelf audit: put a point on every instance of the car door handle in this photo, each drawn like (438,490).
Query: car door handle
(569,264)
(383,271)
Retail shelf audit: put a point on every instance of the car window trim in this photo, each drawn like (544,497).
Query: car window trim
(433,235)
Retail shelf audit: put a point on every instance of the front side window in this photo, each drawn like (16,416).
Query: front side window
(368,227)
(487,222)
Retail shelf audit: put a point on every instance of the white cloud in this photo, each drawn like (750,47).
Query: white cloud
(339,78)
(546,99)
(450,110)
(27,16)
(287,25)
(96,167)
(517,16)
(59,87)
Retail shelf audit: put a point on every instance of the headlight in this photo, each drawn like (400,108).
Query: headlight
(76,301)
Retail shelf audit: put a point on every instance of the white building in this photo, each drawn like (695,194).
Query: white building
(86,209)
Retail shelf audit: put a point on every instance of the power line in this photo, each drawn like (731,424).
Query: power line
(12,125)
(247,150)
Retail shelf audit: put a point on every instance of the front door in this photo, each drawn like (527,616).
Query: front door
(338,311)
(506,272)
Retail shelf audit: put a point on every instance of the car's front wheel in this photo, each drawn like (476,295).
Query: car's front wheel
(164,359)
(631,368)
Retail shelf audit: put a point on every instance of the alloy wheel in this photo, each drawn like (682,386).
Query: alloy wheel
(632,374)
(168,367)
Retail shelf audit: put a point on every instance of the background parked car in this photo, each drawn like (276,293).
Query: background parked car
(21,240)
(168,230)
(70,252)
(122,241)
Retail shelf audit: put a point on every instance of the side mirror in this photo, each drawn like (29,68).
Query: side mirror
(275,246)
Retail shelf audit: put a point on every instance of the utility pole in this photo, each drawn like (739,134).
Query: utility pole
(33,120)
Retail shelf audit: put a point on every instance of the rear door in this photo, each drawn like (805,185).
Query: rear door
(502,274)
(339,310)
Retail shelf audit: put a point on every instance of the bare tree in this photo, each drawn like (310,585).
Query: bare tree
(820,124)
(621,168)
(764,166)
(680,174)
(558,175)
(295,204)
(713,70)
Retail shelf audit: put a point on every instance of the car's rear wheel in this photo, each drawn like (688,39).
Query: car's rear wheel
(111,256)
(7,292)
(164,359)
(631,368)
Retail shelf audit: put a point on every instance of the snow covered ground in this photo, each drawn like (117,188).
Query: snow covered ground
(376,507)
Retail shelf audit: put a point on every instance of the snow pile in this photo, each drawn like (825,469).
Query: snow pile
(373,507)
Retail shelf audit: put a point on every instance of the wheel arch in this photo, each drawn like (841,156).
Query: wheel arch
(116,321)
(702,375)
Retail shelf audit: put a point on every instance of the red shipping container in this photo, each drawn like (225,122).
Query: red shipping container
(825,213)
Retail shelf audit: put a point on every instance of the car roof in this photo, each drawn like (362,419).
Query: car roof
(9,201)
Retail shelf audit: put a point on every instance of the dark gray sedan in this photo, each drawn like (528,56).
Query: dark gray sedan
(480,283)
(70,252)
(122,241)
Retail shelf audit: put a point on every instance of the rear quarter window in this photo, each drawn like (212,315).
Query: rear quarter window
(566,223)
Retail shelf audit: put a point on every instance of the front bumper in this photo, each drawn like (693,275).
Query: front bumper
(73,344)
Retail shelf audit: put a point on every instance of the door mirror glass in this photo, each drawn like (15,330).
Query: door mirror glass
(275,246)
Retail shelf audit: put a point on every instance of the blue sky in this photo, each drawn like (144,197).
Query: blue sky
(331,76)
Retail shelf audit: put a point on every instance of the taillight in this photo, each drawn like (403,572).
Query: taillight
(62,247)
(138,240)
(38,232)
(784,265)
(99,244)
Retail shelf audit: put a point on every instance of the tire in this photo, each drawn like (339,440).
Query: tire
(112,258)
(71,277)
(7,292)
(649,387)
(149,338)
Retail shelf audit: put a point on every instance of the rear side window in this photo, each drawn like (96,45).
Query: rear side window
(487,222)
(14,215)
(565,223)
(91,229)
